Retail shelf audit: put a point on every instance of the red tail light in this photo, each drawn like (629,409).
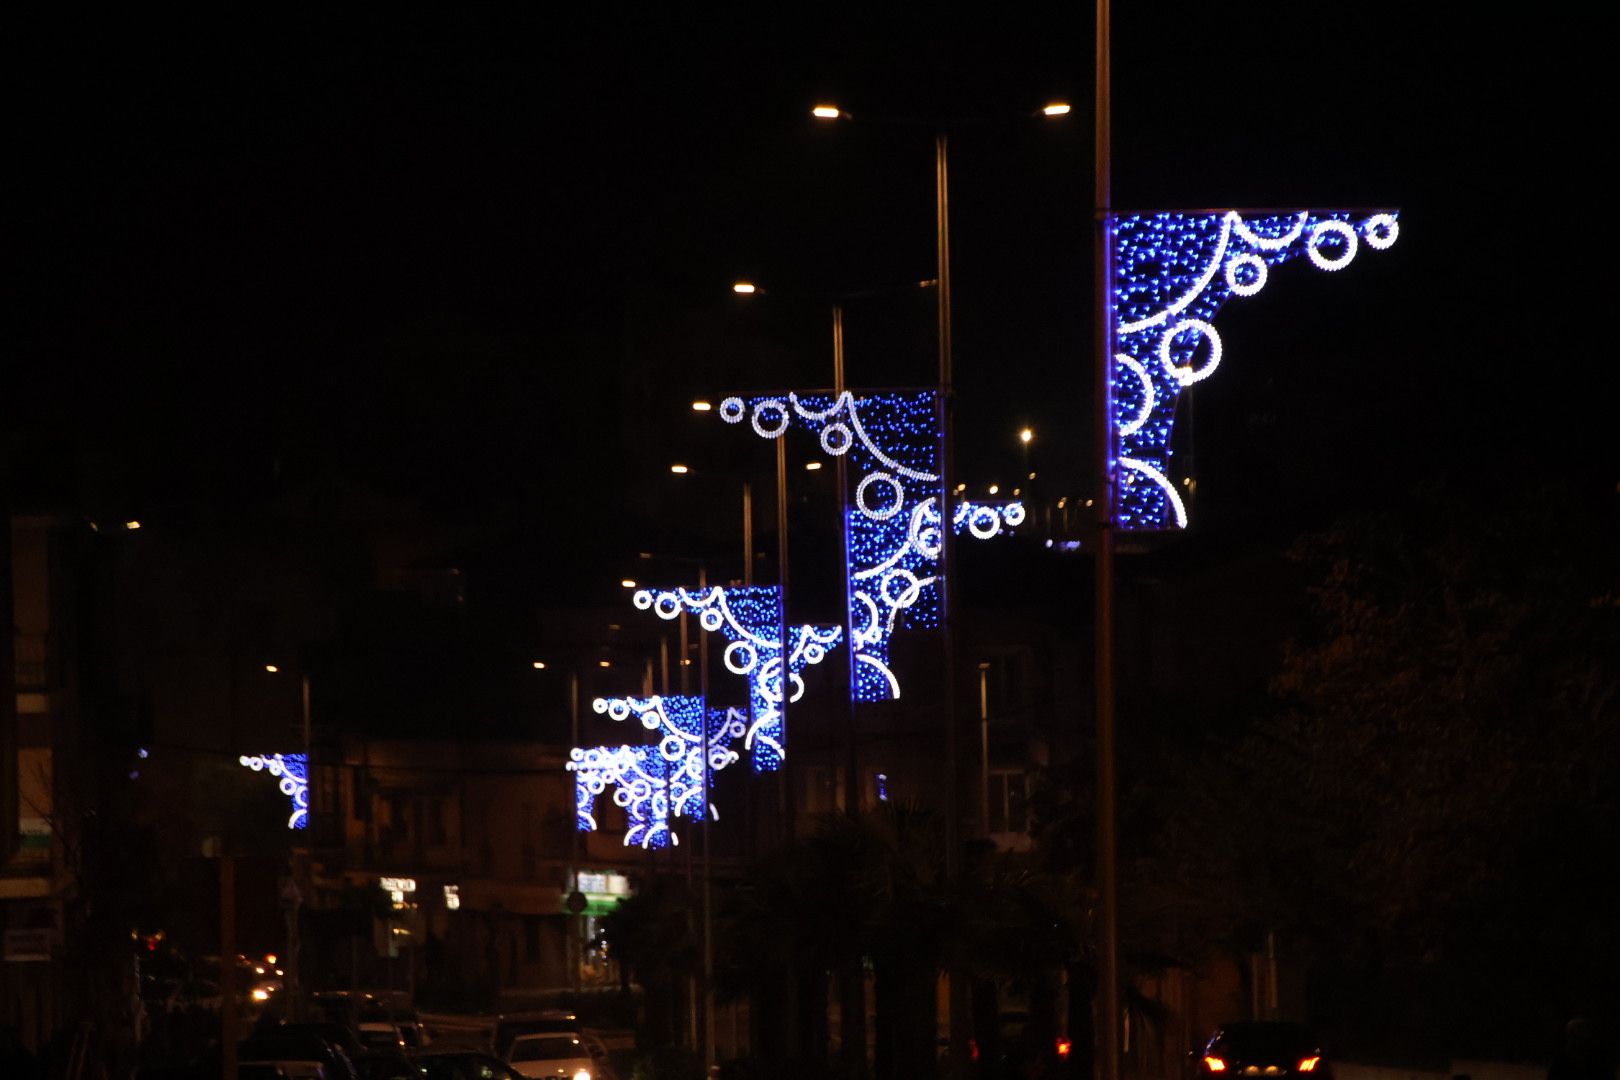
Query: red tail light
(1063,1047)
(1308,1064)
(1214,1064)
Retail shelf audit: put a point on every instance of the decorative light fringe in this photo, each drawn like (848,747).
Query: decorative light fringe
(894,441)
(750,619)
(654,783)
(1172,273)
(292,772)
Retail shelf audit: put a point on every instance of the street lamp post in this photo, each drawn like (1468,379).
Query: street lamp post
(1108,1018)
(960,1018)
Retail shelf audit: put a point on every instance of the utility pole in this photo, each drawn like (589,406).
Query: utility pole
(1108,1015)
(227,967)
(960,1012)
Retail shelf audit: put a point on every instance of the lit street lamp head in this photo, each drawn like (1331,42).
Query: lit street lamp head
(1057,108)
(826,112)
(701,406)
(1026,436)
(744,288)
(679,470)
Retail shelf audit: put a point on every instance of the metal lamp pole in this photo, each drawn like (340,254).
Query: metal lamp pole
(1108,1019)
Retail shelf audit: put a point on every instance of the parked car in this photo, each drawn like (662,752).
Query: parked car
(299,1050)
(508,1026)
(547,1057)
(462,1065)
(1262,1048)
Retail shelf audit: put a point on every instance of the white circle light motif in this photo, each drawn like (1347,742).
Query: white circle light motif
(836,439)
(1381,231)
(884,513)
(1331,227)
(1186,376)
(1013,514)
(779,425)
(732,410)
(736,666)
(1237,262)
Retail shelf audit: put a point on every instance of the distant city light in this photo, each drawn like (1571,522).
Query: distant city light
(1026,436)
(995,489)
(604,663)
(132,525)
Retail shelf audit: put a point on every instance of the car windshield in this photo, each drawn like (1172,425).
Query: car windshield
(547,1048)
(1265,1042)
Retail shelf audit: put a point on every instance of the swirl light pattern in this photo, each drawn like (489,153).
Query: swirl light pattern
(292,772)
(750,619)
(1172,273)
(892,528)
(654,783)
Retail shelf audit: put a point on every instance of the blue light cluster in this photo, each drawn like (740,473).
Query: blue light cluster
(653,783)
(1172,272)
(292,773)
(750,619)
(892,527)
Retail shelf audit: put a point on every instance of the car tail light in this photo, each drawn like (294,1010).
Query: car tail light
(1063,1048)
(1214,1064)
(1308,1064)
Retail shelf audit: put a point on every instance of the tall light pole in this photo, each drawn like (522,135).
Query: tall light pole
(1108,1018)
(960,1019)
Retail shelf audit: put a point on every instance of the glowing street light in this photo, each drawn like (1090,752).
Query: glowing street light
(271,668)
(1026,436)
(1056,108)
(701,406)
(627,583)
(539,665)
(679,470)
(132,525)
(812,466)
(826,112)
(744,288)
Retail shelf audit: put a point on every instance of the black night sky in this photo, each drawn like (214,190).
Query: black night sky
(461,257)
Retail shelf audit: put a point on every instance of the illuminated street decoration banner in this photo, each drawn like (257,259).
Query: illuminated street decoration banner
(292,774)
(750,619)
(1172,272)
(894,440)
(655,782)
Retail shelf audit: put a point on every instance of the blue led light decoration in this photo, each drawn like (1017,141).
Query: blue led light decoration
(750,618)
(656,782)
(1172,273)
(292,772)
(894,440)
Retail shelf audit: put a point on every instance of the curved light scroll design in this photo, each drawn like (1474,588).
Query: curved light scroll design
(653,783)
(750,619)
(292,773)
(894,442)
(1172,273)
